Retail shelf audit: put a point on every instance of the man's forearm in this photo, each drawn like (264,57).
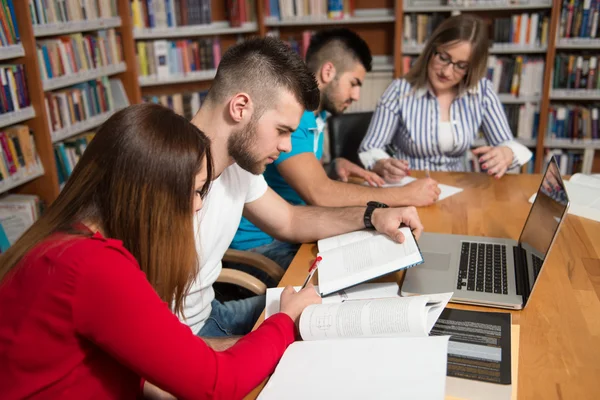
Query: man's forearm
(221,344)
(309,223)
(341,194)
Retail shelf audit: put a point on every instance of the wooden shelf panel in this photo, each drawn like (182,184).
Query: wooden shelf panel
(577,43)
(216,28)
(580,144)
(76,26)
(12,51)
(191,77)
(574,94)
(524,142)
(15,117)
(21,177)
(498,6)
(361,16)
(497,48)
(510,99)
(73,79)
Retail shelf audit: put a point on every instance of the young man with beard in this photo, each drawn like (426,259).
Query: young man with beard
(339,59)
(256,101)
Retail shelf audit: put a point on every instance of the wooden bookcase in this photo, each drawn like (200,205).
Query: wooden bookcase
(379,22)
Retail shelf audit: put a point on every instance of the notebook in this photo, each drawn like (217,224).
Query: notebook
(357,257)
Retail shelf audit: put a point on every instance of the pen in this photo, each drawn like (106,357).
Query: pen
(311,270)
(427,172)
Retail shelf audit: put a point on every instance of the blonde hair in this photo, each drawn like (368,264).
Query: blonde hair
(460,28)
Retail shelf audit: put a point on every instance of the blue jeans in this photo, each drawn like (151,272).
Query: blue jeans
(233,318)
(281,252)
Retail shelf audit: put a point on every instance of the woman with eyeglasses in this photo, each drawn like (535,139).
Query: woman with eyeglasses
(428,119)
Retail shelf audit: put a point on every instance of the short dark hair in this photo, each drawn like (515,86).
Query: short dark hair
(259,65)
(336,45)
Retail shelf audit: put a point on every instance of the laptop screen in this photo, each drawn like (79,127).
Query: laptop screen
(544,218)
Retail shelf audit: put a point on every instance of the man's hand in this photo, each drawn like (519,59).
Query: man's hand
(345,169)
(423,192)
(388,220)
(391,169)
(495,159)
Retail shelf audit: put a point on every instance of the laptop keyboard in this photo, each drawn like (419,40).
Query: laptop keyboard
(482,268)
(537,265)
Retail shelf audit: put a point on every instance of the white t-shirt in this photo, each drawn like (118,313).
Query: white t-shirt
(219,219)
(445,137)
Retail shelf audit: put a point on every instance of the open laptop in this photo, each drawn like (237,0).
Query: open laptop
(492,271)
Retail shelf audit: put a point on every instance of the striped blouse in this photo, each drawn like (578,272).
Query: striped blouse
(408,119)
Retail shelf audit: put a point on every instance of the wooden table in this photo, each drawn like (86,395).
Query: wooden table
(559,350)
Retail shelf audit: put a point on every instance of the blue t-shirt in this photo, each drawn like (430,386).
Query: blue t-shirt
(306,139)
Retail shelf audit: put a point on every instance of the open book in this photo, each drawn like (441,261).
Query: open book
(364,349)
(584,195)
(356,257)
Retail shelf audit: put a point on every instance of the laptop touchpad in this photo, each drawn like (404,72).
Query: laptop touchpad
(437,261)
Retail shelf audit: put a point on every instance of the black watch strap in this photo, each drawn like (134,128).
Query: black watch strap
(371,206)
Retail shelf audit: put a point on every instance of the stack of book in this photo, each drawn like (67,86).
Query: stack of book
(530,30)
(576,72)
(68,152)
(18,158)
(312,9)
(67,55)
(9,33)
(573,121)
(61,11)
(17,213)
(579,19)
(185,104)
(518,76)
(164,59)
(79,103)
(14,94)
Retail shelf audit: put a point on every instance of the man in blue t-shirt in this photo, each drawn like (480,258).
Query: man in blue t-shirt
(340,59)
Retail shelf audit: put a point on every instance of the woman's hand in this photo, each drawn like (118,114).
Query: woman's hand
(345,169)
(391,169)
(293,303)
(495,160)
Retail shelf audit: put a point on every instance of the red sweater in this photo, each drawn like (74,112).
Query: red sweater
(79,320)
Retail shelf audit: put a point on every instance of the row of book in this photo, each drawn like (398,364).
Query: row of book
(522,29)
(67,55)
(169,58)
(575,72)
(523,119)
(573,121)
(314,9)
(61,11)
(9,32)
(18,153)
(14,94)
(68,152)
(475,3)
(419,27)
(17,213)
(569,162)
(579,18)
(517,75)
(79,103)
(185,104)
(300,46)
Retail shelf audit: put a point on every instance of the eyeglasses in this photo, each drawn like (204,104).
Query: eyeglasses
(459,67)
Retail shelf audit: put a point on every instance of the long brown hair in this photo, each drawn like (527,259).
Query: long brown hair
(135,181)
(460,28)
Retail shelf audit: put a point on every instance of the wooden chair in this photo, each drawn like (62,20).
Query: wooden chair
(245,280)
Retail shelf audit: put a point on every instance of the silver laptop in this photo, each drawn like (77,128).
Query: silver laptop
(492,271)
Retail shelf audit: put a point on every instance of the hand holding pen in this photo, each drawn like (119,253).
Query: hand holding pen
(311,270)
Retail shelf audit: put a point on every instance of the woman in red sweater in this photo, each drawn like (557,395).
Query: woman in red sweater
(87,294)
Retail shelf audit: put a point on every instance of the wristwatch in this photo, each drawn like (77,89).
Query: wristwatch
(371,206)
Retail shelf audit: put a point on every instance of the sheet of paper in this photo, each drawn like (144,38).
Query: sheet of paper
(587,180)
(364,291)
(585,200)
(382,368)
(447,190)
(359,262)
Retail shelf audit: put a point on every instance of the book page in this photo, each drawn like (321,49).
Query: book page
(584,200)
(586,180)
(381,368)
(387,317)
(358,262)
(364,291)
(446,190)
(344,239)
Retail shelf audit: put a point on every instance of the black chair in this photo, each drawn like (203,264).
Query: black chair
(346,132)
